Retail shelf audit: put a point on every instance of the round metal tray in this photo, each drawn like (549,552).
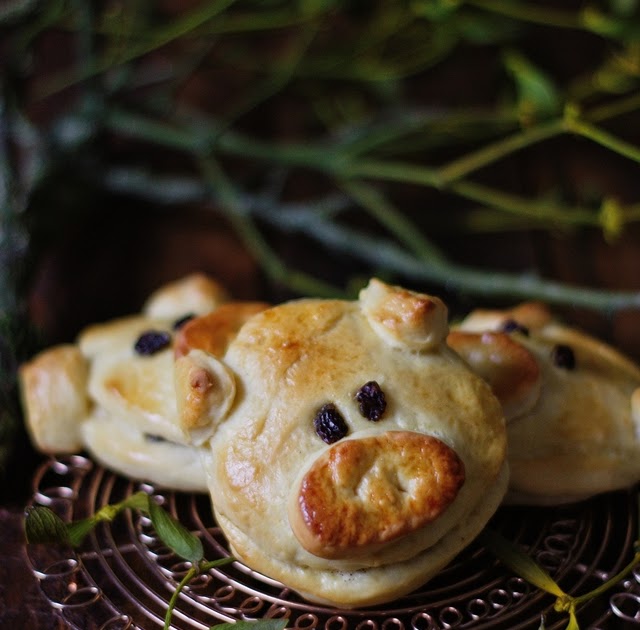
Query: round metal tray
(123,577)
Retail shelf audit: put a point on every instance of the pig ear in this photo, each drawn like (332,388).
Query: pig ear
(194,294)
(528,315)
(511,370)
(205,391)
(404,318)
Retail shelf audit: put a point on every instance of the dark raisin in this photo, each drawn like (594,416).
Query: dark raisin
(372,401)
(152,438)
(563,357)
(152,341)
(329,424)
(179,323)
(511,325)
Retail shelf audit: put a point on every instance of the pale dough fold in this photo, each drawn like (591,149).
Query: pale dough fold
(574,430)
(99,394)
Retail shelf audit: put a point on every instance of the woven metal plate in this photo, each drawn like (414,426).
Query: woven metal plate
(123,577)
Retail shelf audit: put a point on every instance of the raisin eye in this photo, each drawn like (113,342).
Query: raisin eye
(329,424)
(179,323)
(372,401)
(563,357)
(152,341)
(511,325)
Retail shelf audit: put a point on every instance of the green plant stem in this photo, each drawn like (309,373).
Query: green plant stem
(504,147)
(378,253)
(610,583)
(242,23)
(275,82)
(623,105)
(196,569)
(175,30)
(382,254)
(191,573)
(403,172)
(529,12)
(495,151)
(601,137)
(340,166)
(231,202)
(394,221)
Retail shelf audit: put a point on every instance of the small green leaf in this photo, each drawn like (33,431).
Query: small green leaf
(573,621)
(260,624)
(611,219)
(175,535)
(520,563)
(537,94)
(42,525)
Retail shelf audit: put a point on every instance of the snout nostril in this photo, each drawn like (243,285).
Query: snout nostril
(400,484)
(367,492)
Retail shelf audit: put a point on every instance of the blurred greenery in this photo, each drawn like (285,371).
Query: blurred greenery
(375,130)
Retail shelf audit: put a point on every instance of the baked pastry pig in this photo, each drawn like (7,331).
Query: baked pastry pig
(357,454)
(572,402)
(113,393)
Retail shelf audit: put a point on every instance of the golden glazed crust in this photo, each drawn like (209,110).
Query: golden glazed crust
(53,388)
(378,583)
(102,395)
(213,332)
(205,390)
(581,437)
(240,391)
(291,360)
(361,494)
(404,318)
(195,294)
(511,370)
(131,387)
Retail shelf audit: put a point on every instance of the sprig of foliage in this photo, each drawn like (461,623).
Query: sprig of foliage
(352,66)
(526,567)
(43,525)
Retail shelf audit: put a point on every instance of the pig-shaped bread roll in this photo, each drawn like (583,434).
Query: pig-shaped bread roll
(571,402)
(359,454)
(349,453)
(113,391)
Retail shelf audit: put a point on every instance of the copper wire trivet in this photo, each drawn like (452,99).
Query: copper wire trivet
(123,577)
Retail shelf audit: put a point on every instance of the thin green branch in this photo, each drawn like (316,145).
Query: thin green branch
(529,12)
(242,23)
(380,253)
(603,138)
(393,220)
(403,172)
(412,129)
(231,202)
(580,124)
(624,105)
(539,209)
(277,81)
(377,253)
(500,149)
(189,575)
(333,160)
(177,29)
